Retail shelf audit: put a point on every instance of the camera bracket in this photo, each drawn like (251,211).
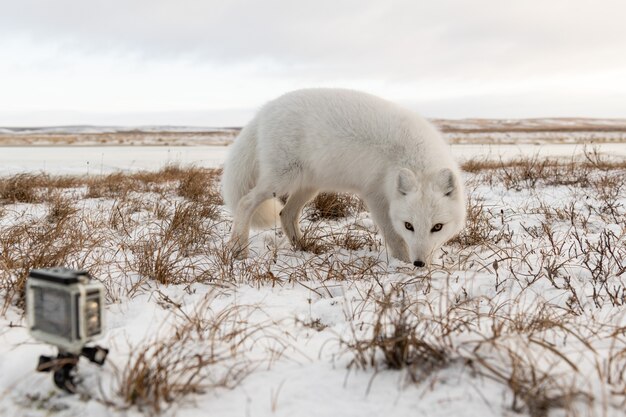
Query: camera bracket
(64,365)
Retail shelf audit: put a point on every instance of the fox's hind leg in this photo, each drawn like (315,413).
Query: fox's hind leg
(243,215)
(291,213)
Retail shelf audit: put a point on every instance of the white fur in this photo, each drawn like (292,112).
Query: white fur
(316,140)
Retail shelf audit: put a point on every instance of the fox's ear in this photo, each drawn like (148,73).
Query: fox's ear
(406,181)
(446,181)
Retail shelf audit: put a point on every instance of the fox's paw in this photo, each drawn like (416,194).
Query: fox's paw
(238,250)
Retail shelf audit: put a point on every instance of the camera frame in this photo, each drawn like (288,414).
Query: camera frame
(65,307)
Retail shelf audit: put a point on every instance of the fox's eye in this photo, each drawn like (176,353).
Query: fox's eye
(436,228)
(408,226)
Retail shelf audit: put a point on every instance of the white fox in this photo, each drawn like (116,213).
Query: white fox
(340,140)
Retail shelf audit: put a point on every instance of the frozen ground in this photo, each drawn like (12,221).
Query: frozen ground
(523,314)
(533,131)
(116,136)
(107,159)
(461,131)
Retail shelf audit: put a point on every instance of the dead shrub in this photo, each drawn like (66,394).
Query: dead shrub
(169,173)
(195,184)
(333,206)
(528,172)
(610,190)
(476,165)
(200,185)
(355,238)
(113,185)
(604,258)
(59,208)
(20,188)
(401,338)
(525,172)
(167,254)
(205,350)
(351,269)
(42,244)
(535,391)
(318,240)
(314,239)
(478,228)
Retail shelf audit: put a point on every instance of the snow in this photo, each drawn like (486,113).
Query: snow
(73,130)
(547,131)
(295,368)
(105,159)
(79,160)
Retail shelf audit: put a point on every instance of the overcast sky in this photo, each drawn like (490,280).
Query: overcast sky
(203,62)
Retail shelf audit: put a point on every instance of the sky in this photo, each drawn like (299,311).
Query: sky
(213,63)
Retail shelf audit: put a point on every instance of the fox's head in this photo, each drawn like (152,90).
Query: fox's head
(427,211)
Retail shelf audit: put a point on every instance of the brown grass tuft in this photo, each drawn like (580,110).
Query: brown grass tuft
(166,255)
(110,186)
(200,185)
(58,240)
(20,188)
(333,206)
(206,350)
(478,229)
(400,338)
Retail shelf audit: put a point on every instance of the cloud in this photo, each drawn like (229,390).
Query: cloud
(449,57)
(394,39)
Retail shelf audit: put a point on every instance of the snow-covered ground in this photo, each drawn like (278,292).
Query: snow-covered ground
(524,314)
(116,136)
(461,131)
(107,159)
(80,130)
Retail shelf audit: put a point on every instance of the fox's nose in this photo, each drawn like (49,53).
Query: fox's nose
(419,264)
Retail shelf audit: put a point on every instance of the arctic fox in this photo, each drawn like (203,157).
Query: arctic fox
(340,140)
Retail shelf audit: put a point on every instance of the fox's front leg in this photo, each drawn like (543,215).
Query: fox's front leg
(290,214)
(241,222)
(379,208)
(396,244)
(238,247)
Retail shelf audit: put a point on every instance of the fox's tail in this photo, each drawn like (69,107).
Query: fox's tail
(241,170)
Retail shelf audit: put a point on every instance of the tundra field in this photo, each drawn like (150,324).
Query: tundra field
(461,131)
(524,313)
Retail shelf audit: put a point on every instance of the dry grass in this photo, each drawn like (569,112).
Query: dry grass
(33,188)
(166,253)
(195,184)
(479,229)
(129,138)
(537,165)
(111,186)
(203,350)
(524,173)
(530,295)
(400,338)
(70,235)
(333,206)
(19,189)
(199,185)
(60,208)
(60,238)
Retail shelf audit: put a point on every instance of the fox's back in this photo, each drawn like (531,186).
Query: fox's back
(340,124)
(343,114)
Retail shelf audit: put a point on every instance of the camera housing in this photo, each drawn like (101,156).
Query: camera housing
(64,307)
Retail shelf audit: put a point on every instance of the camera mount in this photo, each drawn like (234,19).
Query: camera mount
(64,365)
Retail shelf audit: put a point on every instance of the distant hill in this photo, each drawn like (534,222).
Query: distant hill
(505,131)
